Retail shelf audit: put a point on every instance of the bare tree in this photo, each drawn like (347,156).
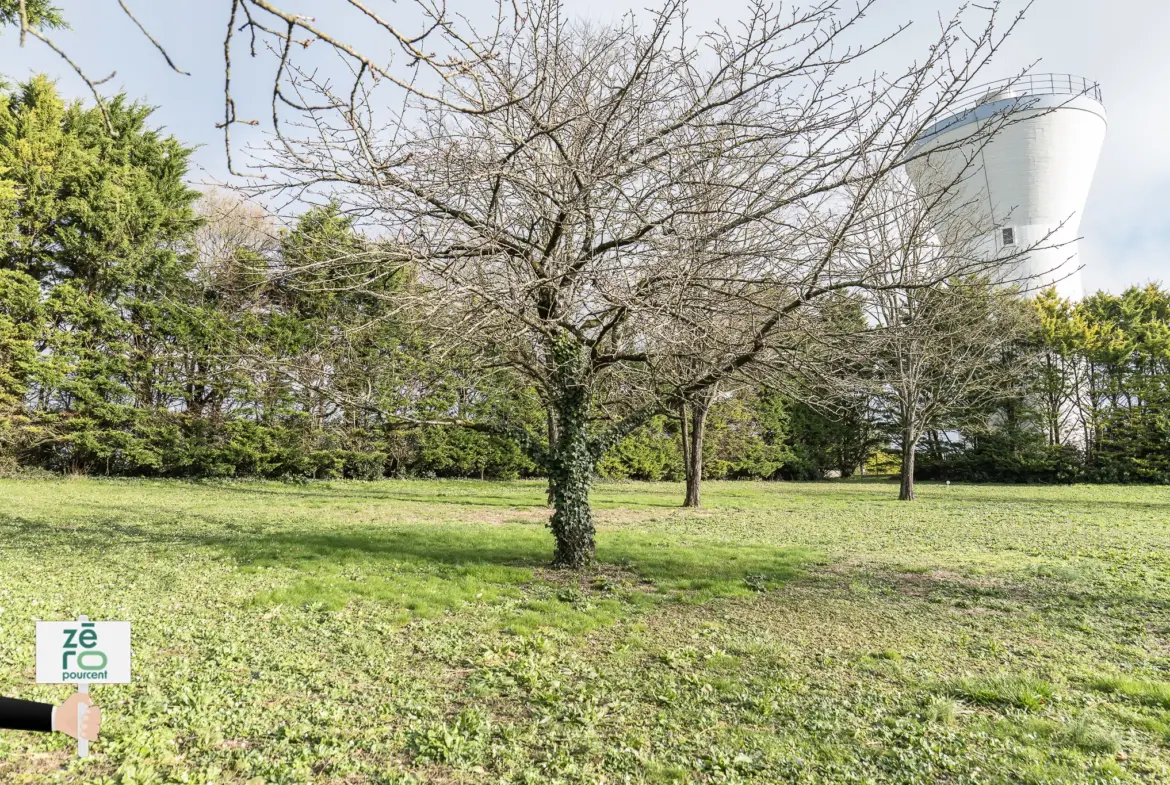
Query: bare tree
(541,197)
(807,347)
(946,354)
(233,237)
(939,351)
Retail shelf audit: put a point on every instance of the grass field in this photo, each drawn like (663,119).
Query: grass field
(409,632)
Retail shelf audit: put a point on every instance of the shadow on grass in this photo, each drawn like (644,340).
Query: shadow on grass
(423,569)
(512,554)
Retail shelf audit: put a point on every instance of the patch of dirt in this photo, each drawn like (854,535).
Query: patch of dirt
(598,579)
(32,766)
(915,584)
(506,517)
(234,744)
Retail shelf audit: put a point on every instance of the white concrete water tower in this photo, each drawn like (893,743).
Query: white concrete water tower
(1020,154)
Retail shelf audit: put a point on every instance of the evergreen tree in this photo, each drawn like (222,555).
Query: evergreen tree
(98,222)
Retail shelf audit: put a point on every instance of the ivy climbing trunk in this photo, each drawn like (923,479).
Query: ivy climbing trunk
(570,473)
(571,461)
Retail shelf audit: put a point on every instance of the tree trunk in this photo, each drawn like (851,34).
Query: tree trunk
(909,442)
(571,471)
(694,455)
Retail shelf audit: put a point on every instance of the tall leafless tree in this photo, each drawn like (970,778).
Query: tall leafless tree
(540,196)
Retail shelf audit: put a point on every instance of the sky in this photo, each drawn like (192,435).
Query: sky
(1120,43)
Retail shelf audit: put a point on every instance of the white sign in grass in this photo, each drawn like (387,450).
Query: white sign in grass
(83,652)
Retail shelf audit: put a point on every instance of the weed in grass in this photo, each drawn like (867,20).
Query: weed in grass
(1003,689)
(1145,691)
(1088,735)
(460,741)
(665,774)
(576,618)
(941,711)
(1082,733)
(1157,726)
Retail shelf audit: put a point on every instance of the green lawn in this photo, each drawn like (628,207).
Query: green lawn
(409,632)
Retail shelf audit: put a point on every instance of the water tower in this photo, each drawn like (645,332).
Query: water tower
(1021,155)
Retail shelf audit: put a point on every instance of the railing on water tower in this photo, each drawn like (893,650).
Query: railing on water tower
(1024,86)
